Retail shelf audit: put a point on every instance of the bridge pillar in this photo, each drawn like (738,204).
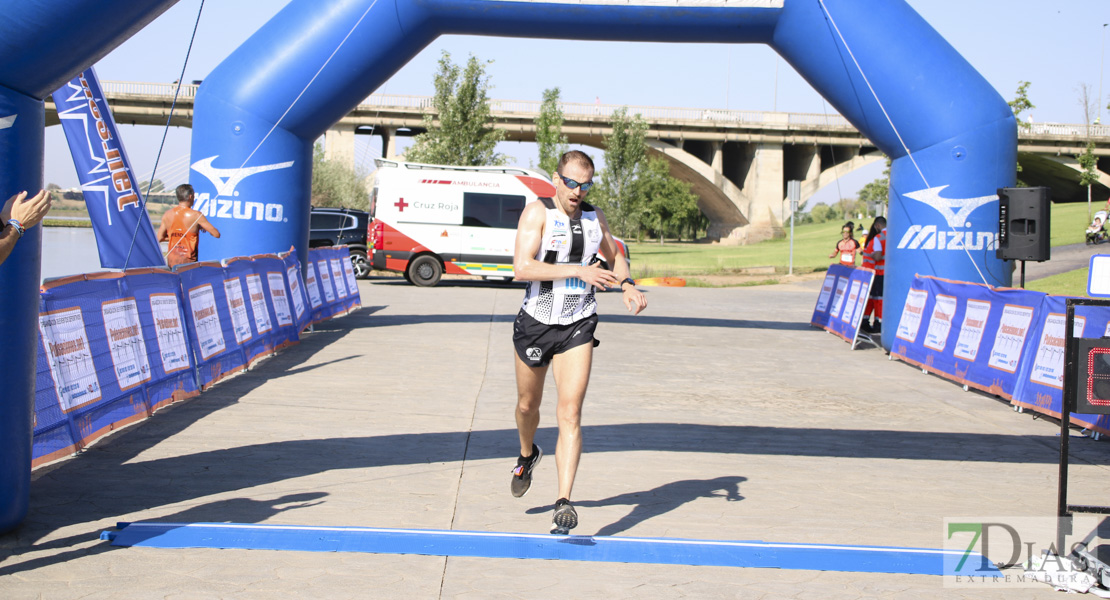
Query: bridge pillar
(389,141)
(339,144)
(764,190)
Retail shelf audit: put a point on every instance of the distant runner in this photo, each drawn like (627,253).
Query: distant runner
(181,227)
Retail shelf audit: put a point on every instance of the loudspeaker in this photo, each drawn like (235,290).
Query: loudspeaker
(1023,223)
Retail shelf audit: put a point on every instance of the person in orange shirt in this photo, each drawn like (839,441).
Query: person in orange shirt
(847,247)
(874,257)
(181,226)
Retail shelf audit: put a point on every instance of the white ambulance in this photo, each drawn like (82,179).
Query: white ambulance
(428,220)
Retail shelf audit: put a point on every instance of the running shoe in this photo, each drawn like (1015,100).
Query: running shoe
(522,473)
(565,517)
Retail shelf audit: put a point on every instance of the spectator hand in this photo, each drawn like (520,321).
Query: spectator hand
(28,211)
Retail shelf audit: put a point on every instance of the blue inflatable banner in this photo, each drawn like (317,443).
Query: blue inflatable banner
(969,333)
(840,305)
(124,235)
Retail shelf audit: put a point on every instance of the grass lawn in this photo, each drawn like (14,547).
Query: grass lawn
(814,242)
(812,245)
(1072,283)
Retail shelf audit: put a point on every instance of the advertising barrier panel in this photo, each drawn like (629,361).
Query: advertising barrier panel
(214,335)
(111,351)
(115,347)
(969,333)
(843,296)
(1040,387)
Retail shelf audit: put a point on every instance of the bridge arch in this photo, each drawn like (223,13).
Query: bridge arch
(876,61)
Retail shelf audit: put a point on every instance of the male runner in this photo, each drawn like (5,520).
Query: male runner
(181,226)
(558,243)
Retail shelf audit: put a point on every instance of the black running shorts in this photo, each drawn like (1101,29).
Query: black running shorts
(536,343)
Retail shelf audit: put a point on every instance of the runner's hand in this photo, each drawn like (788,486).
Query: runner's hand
(635,300)
(596,276)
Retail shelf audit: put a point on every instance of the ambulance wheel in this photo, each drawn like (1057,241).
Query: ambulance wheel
(360,264)
(425,271)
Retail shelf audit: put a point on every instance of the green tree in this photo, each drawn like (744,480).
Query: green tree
(666,205)
(460,131)
(625,153)
(550,140)
(820,213)
(335,184)
(877,192)
(1021,103)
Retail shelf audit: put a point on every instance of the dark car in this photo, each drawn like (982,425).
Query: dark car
(339,226)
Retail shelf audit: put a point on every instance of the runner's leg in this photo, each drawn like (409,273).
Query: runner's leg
(529,393)
(572,375)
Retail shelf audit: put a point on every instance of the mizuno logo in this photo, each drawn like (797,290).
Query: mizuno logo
(226,180)
(926,237)
(955,210)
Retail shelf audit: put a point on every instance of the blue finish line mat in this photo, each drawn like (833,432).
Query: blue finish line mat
(755,554)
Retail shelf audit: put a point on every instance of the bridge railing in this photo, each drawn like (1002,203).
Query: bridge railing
(604,112)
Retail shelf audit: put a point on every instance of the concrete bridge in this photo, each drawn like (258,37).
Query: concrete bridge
(737,162)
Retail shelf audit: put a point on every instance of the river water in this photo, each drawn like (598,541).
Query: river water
(68,251)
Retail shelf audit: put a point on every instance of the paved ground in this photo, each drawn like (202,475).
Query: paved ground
(717,414)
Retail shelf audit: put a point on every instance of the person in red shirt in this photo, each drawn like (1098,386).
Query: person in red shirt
(874,257)
(847,247)
(181,226)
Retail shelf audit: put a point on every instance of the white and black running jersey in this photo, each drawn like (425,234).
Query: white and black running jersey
(566,241)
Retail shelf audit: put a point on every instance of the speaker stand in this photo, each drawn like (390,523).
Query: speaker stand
(1023,274)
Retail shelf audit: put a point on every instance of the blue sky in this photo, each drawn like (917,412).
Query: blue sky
(1055,45)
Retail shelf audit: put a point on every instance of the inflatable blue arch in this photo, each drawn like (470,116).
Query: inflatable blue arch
(952,138)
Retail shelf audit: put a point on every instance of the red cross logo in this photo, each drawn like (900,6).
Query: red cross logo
(400,204)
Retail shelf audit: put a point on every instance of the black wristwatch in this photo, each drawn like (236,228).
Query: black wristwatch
(627,280)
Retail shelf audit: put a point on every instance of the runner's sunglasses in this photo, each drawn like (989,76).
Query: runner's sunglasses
(572,184)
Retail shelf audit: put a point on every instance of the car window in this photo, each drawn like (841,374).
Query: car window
(492,210)
(325,221)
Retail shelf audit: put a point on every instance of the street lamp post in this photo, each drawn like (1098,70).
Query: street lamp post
(1101,61)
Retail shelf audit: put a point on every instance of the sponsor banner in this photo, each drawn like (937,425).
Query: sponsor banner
(338,277)
(972,334)
(212,333)
(298,290)
(250,312)
(125,342)
(107,181)
(271,271)
(160,307)
(1041,381)
(842,300)
(323,273)
(114,347)
(312,286)
(111,351)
